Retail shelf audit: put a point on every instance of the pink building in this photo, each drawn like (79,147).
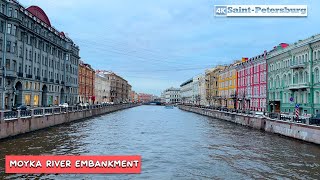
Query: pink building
(252,84)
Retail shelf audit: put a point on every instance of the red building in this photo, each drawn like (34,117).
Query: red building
(86,83)
(144,98)
(252,83)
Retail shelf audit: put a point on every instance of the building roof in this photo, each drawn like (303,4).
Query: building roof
(39,13)
(187,82)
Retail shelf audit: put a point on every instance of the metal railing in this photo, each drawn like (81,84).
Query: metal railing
(276,116)
(7,115)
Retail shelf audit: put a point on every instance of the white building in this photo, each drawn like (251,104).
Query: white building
(186,92)
(171,95)
(199,90)
(102,88)
(202,90)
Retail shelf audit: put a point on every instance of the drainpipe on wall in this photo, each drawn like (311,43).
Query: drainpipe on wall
(4,63)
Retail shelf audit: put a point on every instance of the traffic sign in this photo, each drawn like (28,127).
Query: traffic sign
(297,105)
(291,99)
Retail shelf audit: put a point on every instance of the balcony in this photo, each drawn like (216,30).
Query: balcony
(11,74)
(20,74)
(29,76)
(298,65)
(57,81)
(52,80)
(62,82)
(300,86)
(38,78)
(68,84)
(45,79)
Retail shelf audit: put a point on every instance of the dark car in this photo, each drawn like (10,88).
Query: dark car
(20,107)
(224,109)
(315,120)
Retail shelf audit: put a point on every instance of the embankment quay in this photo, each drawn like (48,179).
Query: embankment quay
(309,133)
(173,144)
(14,123)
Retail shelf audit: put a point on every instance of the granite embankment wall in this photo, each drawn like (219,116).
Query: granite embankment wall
(20,125)
(299,131)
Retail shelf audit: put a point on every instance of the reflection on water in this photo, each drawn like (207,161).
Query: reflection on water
(174,145)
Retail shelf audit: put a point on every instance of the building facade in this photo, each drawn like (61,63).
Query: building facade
(102,88)
(227,81)
(186,92)
(145,98)
(199,90)
(293,77)
(39,63)
(212,85)
(86,83)
(172,95)
(133,97)
(252,83)
(119,87)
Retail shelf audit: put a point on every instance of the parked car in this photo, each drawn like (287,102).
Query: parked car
(64,105)
(315,120)
(225,109)
(20,107)
(84,104)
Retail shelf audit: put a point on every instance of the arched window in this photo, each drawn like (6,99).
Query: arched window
(295,78)
(306,77)
(316,75)
(285,97)
(306,57)
(300,77)
(317,97)
(271,83)
(289,79)
(277,81)
(284,80)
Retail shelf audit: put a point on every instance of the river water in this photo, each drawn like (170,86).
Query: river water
(174,144)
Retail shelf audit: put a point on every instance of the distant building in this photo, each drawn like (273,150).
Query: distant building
(145,98)
(228,86)
(133,97)
(119,87)
(212,85)
(86,83)
(186,91)
(171,95)
(102,88)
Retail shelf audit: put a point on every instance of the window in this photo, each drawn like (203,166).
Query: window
(8,46)
(27,99)
(9,29)
(317,97)
(3,9)
(15,14)
(36,100)
(14,30)
(10,12)
(316,78)
(8,64)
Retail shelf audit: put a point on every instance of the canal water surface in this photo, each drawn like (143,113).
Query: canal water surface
(174,144)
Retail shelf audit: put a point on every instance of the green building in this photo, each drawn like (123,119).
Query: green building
(293,77)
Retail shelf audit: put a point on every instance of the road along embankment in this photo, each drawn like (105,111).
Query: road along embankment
(20,122)
(299,131)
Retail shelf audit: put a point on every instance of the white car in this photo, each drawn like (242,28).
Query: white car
(64,105)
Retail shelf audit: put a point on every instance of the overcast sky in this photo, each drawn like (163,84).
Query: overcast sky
(159,44)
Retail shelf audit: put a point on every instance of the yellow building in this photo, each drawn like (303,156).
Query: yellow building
(227,82)
(212,76)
